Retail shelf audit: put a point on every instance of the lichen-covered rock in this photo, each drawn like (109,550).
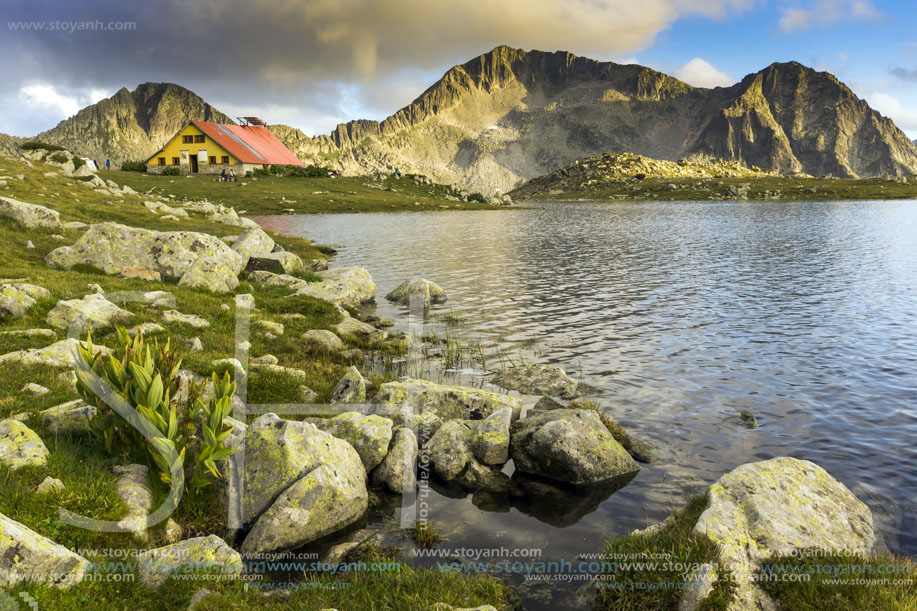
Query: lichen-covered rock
(450,448)
(204,259)
(47,333)
(72,417)
(192,320)
(269,326)
(20,446)
(30,216)
(324,338)
(404,400)
(50,485)
(417,289)
(490,438)
(352,326)
(301,483)
(133,489)
(397,470)
(568,445)
(276,262)
(208,554)
(91,313)
(58,354)
(18,298)
(778,507)
(160,208)
(369,435)
(538,380)
(228,216)
(212,274)
(146,328)
(350,389)
(34,389)
(27,556)
(253,242)
(289,372)
(344,286)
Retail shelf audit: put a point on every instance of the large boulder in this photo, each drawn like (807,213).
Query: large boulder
(450,448)
(253,242)
(538,380)
(20,446)
(301,483)
(369,435)
(418,402)
(29,216)
(324,338)
(777,507)
(18,298)
(90,313)
(208,262)
(27,556)
(344,286)
(397,470)
(208,554)
(417,289)
(568,445)
(58,354)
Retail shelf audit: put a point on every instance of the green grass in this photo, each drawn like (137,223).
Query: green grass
(83,465)
(633,589)
(899,593)
(426,535)
(694,189)
(274,195)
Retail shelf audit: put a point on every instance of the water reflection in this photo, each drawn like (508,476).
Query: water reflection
(682,315)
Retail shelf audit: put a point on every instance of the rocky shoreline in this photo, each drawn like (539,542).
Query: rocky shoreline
(292,482)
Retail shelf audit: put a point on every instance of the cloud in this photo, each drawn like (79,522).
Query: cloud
(905,74)
(890,106)
(283,50)
(822,13)
(46,96)
(701,73)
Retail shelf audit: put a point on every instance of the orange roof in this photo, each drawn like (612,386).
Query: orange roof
(249,143)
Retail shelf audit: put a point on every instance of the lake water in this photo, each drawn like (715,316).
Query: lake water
(682,315)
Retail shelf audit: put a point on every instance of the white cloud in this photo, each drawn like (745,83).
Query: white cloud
(47,97)
(825,12)
(891,107)
(701,73)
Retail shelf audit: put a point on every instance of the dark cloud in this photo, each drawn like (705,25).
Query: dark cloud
(328,54)
(905,74)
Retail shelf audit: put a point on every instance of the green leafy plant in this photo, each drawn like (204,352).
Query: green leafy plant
(182,434)
(171,171)
(136,166)
(59,158)
(78,162)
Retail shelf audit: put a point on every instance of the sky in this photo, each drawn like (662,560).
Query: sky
(315,63)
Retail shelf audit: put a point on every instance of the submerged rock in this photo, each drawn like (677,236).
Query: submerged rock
(91,313)
(27,556)
(301,483)
(777,507)
(20,446)
(208,554)
(30,216)
(568,445)
(538,380)
(417,289)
